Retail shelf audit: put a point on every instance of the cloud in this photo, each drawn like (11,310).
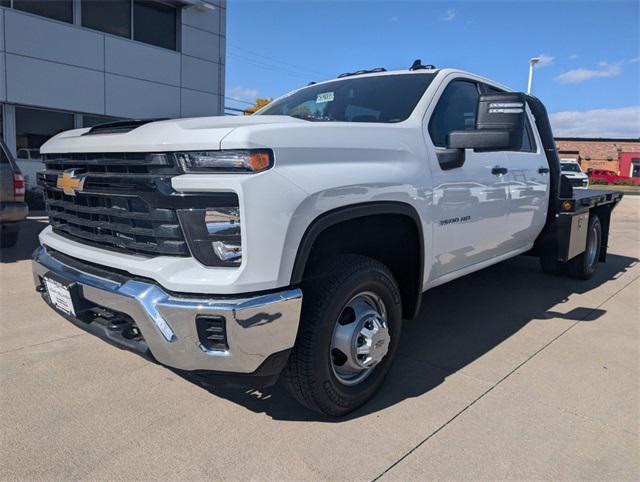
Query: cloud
(394,19)
(448,15)
(244,93)
(576,76)
(622,122)
(573,56)
(545,60)
(634,61)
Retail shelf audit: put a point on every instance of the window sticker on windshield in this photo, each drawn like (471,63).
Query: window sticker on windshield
(324,97)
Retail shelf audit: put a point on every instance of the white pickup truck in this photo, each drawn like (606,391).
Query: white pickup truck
(292,243)
(570,168)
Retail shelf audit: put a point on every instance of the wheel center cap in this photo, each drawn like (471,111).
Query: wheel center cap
(371,342)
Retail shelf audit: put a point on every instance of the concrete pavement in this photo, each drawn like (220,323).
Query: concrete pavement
(507,373)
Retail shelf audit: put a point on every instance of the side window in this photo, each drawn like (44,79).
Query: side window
(455,111)
(490,89)
(528,139)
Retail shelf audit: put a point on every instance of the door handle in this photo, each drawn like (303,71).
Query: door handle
(543,170)
(499,171)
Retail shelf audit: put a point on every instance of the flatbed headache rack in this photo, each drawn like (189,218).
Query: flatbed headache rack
(565,233)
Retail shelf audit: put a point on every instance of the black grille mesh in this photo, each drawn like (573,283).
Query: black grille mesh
(112,211)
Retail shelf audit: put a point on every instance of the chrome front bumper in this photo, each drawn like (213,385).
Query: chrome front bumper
(257,326)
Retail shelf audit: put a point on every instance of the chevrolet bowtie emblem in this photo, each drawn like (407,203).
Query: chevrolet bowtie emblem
(71,183)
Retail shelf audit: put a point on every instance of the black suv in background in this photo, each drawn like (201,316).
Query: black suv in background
(13,209)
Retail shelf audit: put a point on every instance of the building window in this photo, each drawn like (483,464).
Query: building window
(33,128)
(59,10)
(110,16)
(152,22)
(155,23)
(94,120)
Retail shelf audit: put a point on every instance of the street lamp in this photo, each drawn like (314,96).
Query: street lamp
(532,61)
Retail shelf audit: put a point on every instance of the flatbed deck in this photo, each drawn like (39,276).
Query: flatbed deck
(584,199)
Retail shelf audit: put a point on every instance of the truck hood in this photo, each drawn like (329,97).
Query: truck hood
(198,133)
(574,175)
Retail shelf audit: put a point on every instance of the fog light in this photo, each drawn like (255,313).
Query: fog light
(227,252)
(214,234)
(223,224)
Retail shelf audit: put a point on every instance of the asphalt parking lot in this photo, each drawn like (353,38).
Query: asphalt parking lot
(507,373)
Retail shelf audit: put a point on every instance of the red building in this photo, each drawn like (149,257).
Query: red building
(619,155)
(629,164)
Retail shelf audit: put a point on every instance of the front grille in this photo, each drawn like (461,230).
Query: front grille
(576,182)
(125,203)
(113,163)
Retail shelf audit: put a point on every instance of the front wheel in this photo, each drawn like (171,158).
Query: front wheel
(348,336)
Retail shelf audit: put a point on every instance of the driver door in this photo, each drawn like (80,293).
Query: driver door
(469,207)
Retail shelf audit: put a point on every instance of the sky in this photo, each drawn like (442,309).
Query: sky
(588,76)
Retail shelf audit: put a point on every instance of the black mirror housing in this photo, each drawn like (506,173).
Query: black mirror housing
(485,140)
(504,111)
(499,124)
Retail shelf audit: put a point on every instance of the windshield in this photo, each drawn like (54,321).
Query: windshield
(385,98)
(570,167)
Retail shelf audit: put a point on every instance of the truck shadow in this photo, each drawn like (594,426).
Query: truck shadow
(459,322)
(27,240)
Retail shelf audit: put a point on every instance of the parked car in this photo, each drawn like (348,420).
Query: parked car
(612,177)
(13,209)
(572,170)
(30,163)
(292,243)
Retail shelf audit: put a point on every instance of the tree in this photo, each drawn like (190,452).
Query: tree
(260,103)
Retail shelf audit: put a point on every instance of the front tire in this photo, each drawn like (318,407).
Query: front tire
(348,336)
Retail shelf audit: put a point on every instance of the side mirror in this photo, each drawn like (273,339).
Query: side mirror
(499,124)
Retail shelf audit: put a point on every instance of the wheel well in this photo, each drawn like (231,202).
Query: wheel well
(393,238)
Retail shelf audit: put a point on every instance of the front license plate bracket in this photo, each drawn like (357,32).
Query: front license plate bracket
(64,295)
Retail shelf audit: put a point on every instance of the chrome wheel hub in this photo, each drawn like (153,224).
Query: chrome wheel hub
(360,338)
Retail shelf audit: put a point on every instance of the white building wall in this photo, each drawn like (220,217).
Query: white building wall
(51,64)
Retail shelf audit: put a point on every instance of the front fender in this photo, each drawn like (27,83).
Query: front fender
(329,207)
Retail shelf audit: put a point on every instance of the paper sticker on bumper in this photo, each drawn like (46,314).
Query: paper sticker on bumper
(60,296)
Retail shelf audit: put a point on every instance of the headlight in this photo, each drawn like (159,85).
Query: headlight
(242,160)
(213,235)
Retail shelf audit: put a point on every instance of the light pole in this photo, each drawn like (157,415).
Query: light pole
(532,61)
